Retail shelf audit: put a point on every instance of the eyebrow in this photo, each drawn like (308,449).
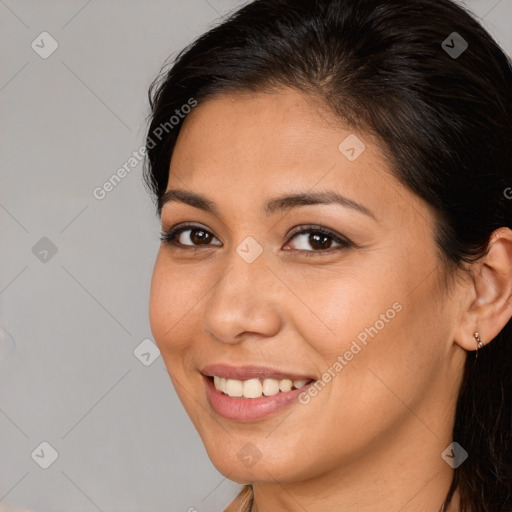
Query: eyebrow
(272,206)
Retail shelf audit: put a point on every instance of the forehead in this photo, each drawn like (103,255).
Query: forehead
(279,127)
(259,145)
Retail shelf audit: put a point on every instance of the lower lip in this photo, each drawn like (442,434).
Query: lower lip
(249,409)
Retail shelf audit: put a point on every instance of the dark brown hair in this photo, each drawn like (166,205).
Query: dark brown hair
(444,120)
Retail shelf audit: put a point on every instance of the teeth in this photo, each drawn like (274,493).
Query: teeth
(234,387)
(285,385)
(270,387)
(220,383)
(254,388)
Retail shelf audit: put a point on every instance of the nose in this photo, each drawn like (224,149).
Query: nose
(245,303)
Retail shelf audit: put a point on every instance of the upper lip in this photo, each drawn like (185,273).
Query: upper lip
(247,372)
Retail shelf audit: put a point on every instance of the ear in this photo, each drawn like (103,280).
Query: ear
(489,304)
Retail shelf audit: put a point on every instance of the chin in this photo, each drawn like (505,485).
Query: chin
(243,463)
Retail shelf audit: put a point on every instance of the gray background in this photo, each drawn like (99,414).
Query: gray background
(72,320)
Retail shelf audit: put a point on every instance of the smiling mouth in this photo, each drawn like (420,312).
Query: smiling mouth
(256,388)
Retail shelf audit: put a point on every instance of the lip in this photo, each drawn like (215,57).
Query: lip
(251,372)
(245,410)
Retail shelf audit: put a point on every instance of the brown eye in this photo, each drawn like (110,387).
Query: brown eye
(192,236)
(319,239)
(198,236)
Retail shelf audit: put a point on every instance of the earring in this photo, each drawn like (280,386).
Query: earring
(479,343)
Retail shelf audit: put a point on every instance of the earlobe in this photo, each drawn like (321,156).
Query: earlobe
(491,308)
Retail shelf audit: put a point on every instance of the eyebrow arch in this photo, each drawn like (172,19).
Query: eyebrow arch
(272,206)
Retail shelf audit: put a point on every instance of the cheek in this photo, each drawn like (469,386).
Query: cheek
(346,305)
(376,335)
(391,355)
(170,301)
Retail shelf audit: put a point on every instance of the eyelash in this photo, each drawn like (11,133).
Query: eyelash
(169,237)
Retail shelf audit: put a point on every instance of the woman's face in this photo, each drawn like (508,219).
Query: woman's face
(252,295)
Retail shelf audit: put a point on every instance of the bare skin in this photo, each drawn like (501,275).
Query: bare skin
(372,438)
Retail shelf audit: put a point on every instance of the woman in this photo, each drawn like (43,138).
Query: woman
(332,296)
